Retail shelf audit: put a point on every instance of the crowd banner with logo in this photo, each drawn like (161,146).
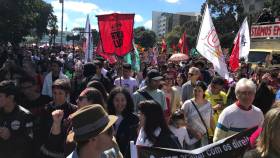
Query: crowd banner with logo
(116,33)
(231,147)
(264,31)
(88,45)
(208,45)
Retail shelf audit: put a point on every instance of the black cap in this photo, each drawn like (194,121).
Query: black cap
(154,75)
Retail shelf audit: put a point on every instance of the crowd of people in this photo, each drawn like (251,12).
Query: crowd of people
(52,105)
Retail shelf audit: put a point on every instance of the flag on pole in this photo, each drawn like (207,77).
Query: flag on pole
(208,45)
(88,45)
(163,45)
(183,44)
(116,33)
(244,42)
(234,57)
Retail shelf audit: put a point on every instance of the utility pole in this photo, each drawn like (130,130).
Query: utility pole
(62,12)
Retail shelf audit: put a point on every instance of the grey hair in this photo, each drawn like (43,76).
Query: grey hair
(245,82)
(195,69)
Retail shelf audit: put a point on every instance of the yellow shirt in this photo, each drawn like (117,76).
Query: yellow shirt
(215,99)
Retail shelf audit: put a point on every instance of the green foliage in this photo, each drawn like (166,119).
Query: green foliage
(173,37)
(274,5)
(21,17)
(144,37)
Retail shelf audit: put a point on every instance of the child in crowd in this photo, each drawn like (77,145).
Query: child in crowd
(178,127)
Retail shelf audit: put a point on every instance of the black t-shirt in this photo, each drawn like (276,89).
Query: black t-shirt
(36,106)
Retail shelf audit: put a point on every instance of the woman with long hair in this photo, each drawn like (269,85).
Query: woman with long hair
(121,104)
(154,130)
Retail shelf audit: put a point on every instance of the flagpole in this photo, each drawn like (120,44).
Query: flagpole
(206,6)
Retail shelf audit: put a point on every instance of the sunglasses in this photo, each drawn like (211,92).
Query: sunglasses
(191,74)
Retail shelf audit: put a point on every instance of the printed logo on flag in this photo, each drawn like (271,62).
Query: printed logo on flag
(117,35)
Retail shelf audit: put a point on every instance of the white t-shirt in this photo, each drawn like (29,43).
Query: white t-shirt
(142,140)
(192,116)
(129,83)
(182,135)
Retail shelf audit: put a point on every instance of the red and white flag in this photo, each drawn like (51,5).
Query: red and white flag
(234,57)
(241,46)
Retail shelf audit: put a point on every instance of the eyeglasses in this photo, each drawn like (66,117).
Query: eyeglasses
(191,74)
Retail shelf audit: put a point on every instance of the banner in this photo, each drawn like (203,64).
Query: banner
(109,57)
(208,45)
(231,147)
(88,43)
(264,31)
(116,33)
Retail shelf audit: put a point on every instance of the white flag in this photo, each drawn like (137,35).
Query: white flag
(208,45)
(244,44)
(88,45)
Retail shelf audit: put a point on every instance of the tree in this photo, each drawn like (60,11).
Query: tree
(173,37)
(21,17)
(274,5)
(144,37)
(52,28)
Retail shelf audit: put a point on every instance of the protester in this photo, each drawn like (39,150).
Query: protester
(92,142)
(55,121)
(177,125)
(16,124)
(126,80)
(187,89)
(121,104)
(240,115)
(199,115)
(154,130)
(55,74)
(98,85)
(151,91)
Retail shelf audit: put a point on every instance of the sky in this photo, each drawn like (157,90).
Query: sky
(76,11)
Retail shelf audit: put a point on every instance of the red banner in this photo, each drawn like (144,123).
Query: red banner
(263,31)
(109,57)
(116,33)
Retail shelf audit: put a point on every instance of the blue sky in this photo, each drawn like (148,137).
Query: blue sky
(75,11)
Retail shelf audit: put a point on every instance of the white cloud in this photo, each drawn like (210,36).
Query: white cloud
(172,1)
(75,6)
(148,24)
(138,18)
(81,7)
(65,19)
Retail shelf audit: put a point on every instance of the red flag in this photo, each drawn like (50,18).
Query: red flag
(163,45)
(99,50)
(183,44)
(116,33)
(234,57)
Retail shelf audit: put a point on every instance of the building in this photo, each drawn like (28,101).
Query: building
(163,22)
